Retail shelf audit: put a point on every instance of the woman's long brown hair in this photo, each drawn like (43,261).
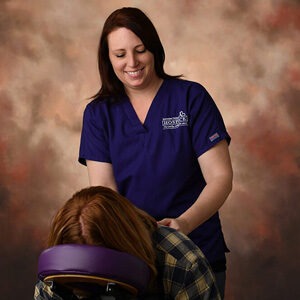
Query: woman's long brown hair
(100,216)
(138,22)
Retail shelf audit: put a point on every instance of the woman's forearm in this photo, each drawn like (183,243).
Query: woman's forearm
(207,204)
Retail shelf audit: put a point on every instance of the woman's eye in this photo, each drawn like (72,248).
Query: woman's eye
(120,55)
(141,50)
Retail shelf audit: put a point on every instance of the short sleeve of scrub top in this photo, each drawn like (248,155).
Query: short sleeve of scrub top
(206,123)
(94,143)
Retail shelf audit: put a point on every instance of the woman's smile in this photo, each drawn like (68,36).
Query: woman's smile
(135,74)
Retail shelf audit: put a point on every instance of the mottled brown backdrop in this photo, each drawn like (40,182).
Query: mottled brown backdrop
(246,53)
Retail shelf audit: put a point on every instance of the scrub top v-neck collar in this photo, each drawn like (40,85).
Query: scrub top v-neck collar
(132,115)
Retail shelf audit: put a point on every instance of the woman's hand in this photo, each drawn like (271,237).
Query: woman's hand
(177,224)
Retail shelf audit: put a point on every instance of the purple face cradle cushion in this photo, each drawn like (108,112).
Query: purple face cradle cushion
(96,261)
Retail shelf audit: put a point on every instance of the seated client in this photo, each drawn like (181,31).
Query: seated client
(100,216)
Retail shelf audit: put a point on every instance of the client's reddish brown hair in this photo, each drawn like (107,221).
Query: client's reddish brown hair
(100,216)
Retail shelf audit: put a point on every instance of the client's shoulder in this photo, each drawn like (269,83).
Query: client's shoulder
(174,243)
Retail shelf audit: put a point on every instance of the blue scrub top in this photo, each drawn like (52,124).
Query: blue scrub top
(155,164)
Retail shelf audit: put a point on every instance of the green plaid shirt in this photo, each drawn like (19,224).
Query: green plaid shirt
(183,270)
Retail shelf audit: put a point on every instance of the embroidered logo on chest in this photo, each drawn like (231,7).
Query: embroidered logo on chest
(175,122)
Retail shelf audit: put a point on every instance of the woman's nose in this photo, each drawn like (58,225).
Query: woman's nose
(132,60)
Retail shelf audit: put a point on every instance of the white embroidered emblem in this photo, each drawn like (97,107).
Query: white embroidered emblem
(175,122)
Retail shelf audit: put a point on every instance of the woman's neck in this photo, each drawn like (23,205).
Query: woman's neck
(141,99)
(146,94)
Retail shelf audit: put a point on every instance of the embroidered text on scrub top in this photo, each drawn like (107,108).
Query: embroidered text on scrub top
(175,122)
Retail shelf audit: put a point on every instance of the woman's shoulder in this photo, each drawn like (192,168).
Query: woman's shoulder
(100,106)
(94,109)
(97,102)
(176,244)
(183,86)
(185,83)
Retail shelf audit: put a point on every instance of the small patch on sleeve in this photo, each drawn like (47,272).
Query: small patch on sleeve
(214,136)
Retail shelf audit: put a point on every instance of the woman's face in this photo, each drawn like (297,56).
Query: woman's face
(133,64)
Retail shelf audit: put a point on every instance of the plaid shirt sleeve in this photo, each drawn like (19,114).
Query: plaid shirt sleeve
(44,292)
(186,274)
(197,285)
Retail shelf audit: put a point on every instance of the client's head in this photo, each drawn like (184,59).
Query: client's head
(100,216)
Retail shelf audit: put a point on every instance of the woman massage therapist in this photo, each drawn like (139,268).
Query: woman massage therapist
(157,139)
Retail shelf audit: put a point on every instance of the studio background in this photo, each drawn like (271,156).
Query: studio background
(246,53)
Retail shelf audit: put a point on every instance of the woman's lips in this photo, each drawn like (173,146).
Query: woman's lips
(135,74)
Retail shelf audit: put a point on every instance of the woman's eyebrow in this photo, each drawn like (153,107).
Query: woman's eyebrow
(122,49)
